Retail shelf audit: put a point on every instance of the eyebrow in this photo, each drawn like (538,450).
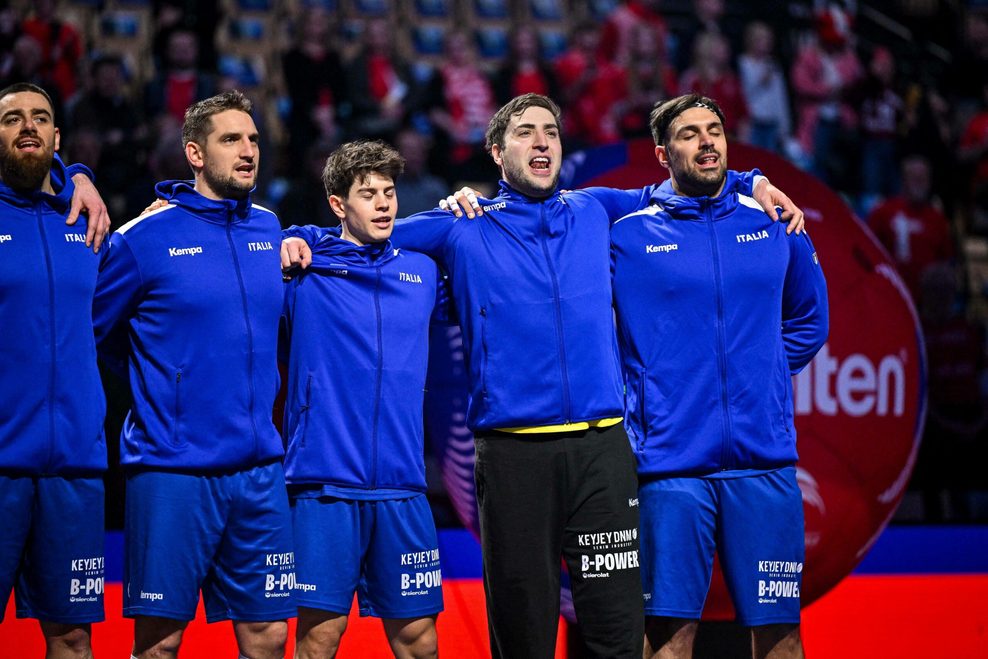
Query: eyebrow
(544,126)
(32,112)
(712,124)
(370,188)
(252,136)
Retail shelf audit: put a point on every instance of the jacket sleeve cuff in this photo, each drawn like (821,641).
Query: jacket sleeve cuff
(79,168)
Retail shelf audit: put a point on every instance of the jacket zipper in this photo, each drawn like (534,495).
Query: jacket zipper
(377,384)
(250,334)
(643,416)
(304,410)
(178,408)
(564,373)
(483,343)
(52,338)
(725,447)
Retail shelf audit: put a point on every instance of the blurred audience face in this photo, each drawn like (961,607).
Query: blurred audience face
(108,78)
(882,66)
(27,56)
(525,44)
(377,36)
(183,50)
(916,179)
(414,148)
(758,39)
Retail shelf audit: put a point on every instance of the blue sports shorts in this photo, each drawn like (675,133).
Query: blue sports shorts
(385,550)
(754,523)
(229,535)
(51,547)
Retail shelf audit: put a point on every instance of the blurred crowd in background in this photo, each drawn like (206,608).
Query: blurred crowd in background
(887,102)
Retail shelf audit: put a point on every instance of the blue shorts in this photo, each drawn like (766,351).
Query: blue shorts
(229,535)
(755,523)
(51,547)
(386,551)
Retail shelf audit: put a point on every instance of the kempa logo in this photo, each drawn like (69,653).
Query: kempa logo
(75,238)
(751,237)
(494,207)
(184,251)
(652,249)
(5,237)
(409,277)
(259,247)
(854,385)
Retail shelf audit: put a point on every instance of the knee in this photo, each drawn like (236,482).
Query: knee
(68,640)
(261,640)
(319,640)
(417,641)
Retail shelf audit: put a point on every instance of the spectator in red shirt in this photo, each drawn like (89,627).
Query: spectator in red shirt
(651,78)
(912,229)
(181,83)
(61,46)
(524,71)
(711,75)
(617,40)
(593,88)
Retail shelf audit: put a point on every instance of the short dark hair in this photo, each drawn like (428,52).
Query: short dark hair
(20,87)
(499,122)
(665,112)
(354,161)
(198,118)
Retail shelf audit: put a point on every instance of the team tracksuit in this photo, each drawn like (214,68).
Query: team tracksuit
(193,293)
(531,284)
(717,307)
(358,329)
(52,448)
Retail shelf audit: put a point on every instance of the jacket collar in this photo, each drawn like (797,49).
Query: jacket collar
(59,202)
(332,249)
(220,211)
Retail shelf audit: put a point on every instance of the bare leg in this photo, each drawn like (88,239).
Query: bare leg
(261,640)
(669,638)
(318,634)
(776,642)
(412,638)
(65,641)
(157,638)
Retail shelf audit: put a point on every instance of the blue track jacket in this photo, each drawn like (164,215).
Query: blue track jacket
(531,283)
(194,291)
(717,307)
(358,332)
(51,417)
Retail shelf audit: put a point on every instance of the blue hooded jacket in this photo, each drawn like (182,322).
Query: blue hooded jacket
(531,283)
(717,307)
(51,420)
(358,333)
(193,293)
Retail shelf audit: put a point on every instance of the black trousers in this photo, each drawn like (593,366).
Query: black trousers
(546,497)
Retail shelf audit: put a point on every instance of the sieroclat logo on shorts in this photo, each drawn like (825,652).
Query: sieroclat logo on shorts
(184,251)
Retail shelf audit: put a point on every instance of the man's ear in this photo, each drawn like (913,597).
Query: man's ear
(58,139)
(497,155)
(194,154)
(661,156)
(337,205)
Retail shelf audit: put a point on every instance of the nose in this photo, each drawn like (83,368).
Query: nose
(706,139)
(248,149)
(540,142)
(383,202)
(29,125)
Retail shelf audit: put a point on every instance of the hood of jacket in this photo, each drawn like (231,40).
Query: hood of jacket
(220,211)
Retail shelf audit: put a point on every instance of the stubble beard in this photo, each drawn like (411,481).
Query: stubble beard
(692,183)
(228,187)
(519,179)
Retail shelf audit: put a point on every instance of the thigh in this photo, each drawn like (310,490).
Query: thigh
(17,504)
(328,553)
(254,571)
(174,524)
(762,546)
(63,570)
(678,536)
(401,577)
(601,543)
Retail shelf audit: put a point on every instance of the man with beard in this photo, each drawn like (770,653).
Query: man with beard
(52,449)
(717,308)
(192,293)
(555,474)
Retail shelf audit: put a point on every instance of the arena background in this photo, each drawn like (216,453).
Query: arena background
(119,70)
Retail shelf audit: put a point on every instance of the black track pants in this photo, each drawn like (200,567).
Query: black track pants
(552,496)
